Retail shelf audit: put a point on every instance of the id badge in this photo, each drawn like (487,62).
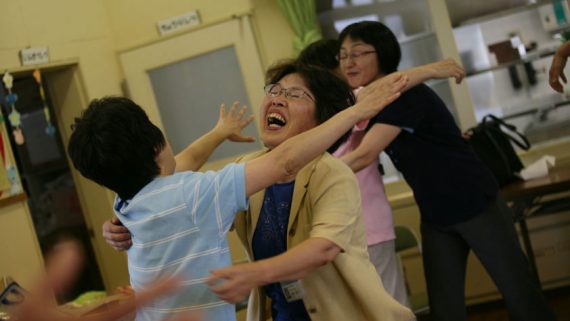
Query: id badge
(293,290)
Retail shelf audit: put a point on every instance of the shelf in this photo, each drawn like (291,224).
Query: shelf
(503,13)
(542,108)
(436,82)
(414,13)
(534,55)
(12,199)
(415,37)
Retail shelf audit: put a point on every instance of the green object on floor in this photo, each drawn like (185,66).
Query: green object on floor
(88,298)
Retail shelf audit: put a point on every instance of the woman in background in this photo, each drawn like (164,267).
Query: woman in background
(460,206)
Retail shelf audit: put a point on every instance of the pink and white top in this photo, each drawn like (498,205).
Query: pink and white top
(378,221)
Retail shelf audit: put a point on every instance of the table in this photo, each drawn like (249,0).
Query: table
(527,200)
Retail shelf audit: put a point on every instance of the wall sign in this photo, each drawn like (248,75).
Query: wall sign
(34,56)
(178,23)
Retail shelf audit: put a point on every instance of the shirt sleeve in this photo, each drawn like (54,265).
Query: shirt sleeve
(335,204)
(407,111)
(214,197)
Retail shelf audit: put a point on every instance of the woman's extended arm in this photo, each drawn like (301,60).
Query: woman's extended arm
(229,126)
(441,69)
(446,68)
(235,282)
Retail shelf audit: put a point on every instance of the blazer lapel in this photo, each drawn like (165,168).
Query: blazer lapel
(255,204)
(301,185)
(256,201)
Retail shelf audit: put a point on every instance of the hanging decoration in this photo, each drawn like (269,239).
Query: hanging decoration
(50,128)
(14,115)
(9,179)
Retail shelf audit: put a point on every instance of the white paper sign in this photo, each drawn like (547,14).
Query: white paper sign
(178,23)
(34,56)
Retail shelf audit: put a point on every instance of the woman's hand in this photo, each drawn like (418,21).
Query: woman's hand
(232,123)
(378,94)
(116,235)
(445,69)
(234,283)
(557,69)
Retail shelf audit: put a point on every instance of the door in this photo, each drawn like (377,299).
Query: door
(181,81)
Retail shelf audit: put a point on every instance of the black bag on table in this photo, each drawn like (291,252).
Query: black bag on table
(491,140)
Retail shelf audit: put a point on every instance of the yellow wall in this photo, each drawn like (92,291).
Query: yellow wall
(70,29)
(94,30)
(20,254)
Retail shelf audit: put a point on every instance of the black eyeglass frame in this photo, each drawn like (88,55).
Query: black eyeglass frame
(353,55)
(285,91)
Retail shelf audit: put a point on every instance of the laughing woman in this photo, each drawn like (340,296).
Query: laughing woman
(306,235)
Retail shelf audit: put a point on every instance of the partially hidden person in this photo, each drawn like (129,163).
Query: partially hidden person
(378,220)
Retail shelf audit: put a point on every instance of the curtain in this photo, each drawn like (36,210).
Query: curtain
(302,17)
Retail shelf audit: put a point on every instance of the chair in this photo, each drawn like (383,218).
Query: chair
(406,239)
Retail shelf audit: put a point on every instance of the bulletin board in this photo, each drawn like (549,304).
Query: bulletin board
(10,183)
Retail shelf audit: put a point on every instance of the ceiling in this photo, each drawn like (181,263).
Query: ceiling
(459,10)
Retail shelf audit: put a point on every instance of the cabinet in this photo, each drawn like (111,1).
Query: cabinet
(515,89)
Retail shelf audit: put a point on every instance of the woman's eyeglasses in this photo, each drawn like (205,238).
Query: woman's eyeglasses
(343,56)
(275,90)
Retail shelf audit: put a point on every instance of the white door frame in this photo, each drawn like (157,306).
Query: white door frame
(236,32)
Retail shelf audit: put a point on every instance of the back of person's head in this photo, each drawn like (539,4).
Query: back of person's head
(321,53)
(115,145)
(381,38)
(332,94)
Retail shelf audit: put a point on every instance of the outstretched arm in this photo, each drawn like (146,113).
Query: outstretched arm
(438,70)
(381,135)
(446,68)
(63,265)
(283,162)
(229,126)
(294,264)
(557,67)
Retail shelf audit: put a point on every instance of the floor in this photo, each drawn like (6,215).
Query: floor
(559,300)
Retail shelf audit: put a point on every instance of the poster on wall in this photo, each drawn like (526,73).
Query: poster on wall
(9,176)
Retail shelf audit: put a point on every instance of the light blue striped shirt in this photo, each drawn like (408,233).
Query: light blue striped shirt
(178,225)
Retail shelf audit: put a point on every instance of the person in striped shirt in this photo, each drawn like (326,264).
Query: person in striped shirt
(178,220)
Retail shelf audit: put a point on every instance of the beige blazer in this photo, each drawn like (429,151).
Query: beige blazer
(326,204)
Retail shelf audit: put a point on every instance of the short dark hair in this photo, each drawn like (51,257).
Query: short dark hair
(321,53)
(115,145)
(332,94)
(383,40)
